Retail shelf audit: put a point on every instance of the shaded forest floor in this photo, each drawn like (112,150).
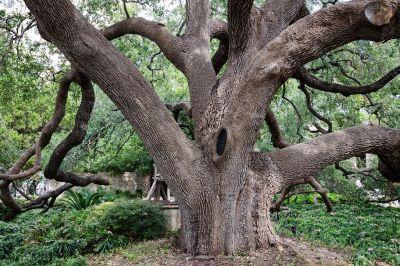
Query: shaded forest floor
(161,253)
(350,235)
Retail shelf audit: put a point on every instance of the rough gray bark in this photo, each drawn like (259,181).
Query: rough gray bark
(223,188)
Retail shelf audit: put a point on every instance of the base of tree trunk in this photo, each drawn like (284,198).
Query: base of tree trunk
(288,252)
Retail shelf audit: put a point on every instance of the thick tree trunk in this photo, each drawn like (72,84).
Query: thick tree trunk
(247,228)
(231,217)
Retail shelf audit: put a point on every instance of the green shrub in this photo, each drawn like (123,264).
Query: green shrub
(10,238)
(82,199)
(61,235)
(135,218)
(47,252)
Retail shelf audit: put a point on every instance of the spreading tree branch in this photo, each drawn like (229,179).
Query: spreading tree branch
(319,84)
(306,159)
(75,138)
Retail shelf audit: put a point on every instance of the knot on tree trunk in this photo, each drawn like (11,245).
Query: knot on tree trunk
(379,13)
(221,144)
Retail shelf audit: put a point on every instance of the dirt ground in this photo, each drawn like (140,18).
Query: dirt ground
(161,253)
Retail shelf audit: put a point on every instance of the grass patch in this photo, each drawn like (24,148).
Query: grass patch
(369,232)
(141,252)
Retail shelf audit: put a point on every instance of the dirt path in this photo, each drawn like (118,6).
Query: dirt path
(161,253)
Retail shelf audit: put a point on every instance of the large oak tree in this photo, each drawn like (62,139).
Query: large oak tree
(224,189)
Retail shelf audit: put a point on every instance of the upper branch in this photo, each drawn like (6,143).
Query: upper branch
(278,14)
(310,80)
(198,19)
(239,24)
(316,34)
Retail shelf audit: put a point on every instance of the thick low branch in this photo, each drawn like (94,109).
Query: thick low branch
(306,159)
(319,84)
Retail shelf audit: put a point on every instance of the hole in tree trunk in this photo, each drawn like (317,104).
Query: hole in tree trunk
(221,141)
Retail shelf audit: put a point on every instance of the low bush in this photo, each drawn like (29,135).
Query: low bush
(10,237)
(136,219)
(59,236)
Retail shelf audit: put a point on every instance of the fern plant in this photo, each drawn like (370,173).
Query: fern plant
(80,200)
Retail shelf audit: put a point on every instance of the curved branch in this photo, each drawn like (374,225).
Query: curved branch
(220,57)
(303,88)
(312,81)
(322,191)
(170,45)
(76,137)
(286,193)
(219,30)
(45,136)
(73,139)
(296,110)
(40,201)
(276,135)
